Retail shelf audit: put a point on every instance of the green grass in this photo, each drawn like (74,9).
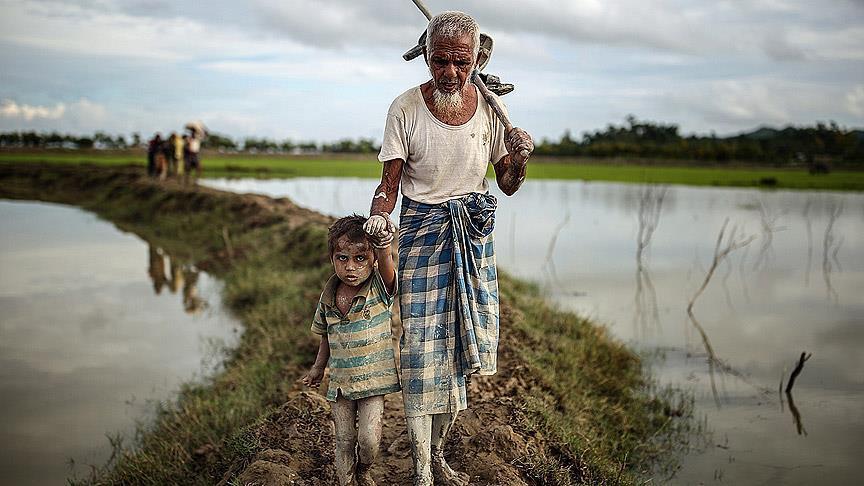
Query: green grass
(369,167)
(592,399)
(589,398)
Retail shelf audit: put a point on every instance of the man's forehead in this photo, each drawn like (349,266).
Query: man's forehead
(460,43)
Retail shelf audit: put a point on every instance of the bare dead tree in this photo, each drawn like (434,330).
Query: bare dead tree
(796,415)
(722,248)
(650,206)
(809,225)
(646,314)
(724,281)
(797,371)
(769,226)
(830,246)
(745,288)
(549,264)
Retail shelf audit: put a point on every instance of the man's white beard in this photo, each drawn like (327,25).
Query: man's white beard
(447,103)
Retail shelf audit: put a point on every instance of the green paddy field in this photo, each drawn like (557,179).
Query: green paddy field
(332,165)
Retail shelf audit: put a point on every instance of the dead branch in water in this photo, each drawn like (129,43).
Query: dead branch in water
(800,366)
(722,249)
(831,244)
(650,206)
(809,226)
(796,415)
(769,227)
(549,264)
(646,313)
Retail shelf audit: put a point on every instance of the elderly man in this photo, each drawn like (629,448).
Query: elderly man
(438,141)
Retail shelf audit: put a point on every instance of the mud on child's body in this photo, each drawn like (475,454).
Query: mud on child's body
(353,318)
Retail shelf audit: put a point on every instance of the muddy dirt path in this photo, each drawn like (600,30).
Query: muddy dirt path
(297,440)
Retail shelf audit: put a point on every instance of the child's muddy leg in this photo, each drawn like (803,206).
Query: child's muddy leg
(420,437)
(344,413)
(369,413)
(442,472)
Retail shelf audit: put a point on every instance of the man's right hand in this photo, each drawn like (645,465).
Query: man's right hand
(378,225)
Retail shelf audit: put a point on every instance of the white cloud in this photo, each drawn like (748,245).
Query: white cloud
(855,101)
(294,66)
(81,115)
(11,109)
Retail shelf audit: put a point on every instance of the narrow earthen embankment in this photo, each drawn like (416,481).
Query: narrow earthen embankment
(568,406)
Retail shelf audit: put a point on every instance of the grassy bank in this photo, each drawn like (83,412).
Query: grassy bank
(578,396)
(368,167)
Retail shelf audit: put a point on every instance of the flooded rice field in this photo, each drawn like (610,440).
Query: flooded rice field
(96,326)
(786,276)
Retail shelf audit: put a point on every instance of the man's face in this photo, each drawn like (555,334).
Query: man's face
(352,261)
(451,62)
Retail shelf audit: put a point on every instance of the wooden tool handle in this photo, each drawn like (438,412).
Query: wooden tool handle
(493,102)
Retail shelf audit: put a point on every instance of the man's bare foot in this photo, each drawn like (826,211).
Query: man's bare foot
(444,474)
(364,475)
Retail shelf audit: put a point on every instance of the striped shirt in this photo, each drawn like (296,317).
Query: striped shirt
(362,362)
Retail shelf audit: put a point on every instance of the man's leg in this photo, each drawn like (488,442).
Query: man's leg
(369,413)
(344,413)
(420,437)
(442,472)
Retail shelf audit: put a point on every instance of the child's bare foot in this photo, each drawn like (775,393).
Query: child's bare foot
(364,475)
(444,474)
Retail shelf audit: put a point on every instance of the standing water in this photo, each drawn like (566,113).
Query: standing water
(95,326)
(788,278)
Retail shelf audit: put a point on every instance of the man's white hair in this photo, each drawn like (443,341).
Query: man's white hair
(451,24)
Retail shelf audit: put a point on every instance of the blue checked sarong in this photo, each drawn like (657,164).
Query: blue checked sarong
(448,295)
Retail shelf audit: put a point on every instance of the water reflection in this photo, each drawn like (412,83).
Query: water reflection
(646,313)
(830,246)
(89,356)
(183,275)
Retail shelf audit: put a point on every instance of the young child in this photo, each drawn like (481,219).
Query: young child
(353,319)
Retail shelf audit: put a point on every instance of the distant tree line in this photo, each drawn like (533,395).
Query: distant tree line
(642,139)
(56,140)
(216,141)
(822,143)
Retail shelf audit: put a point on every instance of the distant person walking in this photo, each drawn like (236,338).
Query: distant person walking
(179,145)
(197,132)
(153,147)
(171,151)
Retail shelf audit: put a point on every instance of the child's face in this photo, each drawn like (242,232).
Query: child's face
(353,261)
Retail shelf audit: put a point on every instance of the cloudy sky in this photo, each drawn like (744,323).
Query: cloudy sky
(324,70)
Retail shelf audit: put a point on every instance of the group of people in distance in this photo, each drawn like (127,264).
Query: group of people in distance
(177,155)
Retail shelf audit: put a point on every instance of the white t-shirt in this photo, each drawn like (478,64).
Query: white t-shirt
(442,161)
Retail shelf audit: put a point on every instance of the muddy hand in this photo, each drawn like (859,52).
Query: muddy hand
(378,224)
(313,378)
(382,240)
(518,144)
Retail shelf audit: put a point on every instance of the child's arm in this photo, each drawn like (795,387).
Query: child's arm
(316,373)
(386,267)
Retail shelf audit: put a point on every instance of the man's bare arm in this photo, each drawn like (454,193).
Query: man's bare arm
(384,200)
(509,174)
(510,170)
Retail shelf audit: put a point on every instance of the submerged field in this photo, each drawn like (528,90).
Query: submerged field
(368,166)
(569,406)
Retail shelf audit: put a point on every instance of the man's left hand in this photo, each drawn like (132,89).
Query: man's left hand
(516,141)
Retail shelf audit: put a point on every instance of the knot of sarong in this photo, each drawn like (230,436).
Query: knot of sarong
(476,212)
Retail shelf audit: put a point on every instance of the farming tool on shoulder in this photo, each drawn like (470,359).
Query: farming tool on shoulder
(486,83)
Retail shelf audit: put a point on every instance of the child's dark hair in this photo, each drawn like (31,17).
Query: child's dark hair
(352,226)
